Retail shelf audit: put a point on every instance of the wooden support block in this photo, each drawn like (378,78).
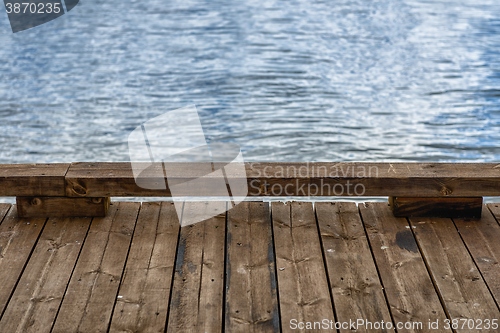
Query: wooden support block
(436,207)
(61,207)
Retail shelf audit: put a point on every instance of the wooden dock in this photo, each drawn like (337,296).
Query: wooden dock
(259,267)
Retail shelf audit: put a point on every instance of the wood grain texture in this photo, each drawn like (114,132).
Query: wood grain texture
(459,282)
(197,295)
(116,179)
(137,270)
(356,287)
(143,299)
(306,179)
(251,298)
(17,239)
(408,287)
(482,240)
(43,282)
(33,179)
(436,207)
(302,280)
(92,290)
(61,207)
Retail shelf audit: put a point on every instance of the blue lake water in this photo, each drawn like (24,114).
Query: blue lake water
(388,80)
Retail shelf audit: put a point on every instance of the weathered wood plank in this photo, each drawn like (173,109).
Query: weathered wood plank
(143,300)
(482,240)
(61,207)
(197,295)
(92,290)
(304,294)
(17,239)
(251,300)
(40,290)
(306,179)
(408,287)
(356,288)
(436,207)
(461,286)
(116,179)
(33,179)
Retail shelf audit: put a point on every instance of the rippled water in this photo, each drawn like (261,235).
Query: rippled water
(286,80)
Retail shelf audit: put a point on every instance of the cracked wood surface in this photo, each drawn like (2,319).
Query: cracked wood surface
(260,267)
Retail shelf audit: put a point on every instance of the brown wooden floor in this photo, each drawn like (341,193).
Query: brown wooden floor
(260,267)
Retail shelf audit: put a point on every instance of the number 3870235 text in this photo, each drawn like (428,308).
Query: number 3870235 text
(33,8)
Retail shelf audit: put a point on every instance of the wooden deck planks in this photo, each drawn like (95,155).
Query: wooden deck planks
(92,290)
(17,240)
(408,287)
(197,297)
(34,303)
(304,294)
(459,282)
(143,301)
(356,288)
(482,240)
(138,271)
(251,299)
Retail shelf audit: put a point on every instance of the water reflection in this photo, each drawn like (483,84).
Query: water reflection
(287,81)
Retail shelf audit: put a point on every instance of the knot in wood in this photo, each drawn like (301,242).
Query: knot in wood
(36,201)
(445,190)
(79,189)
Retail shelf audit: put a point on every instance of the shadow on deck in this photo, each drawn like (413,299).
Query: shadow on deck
(259,267)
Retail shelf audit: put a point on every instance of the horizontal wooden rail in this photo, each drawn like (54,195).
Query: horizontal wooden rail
(263,179)
(84,189)
(33,179)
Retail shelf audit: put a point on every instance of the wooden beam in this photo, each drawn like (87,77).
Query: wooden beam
(115,179)
(33,179)
(303,179)
(436,207)
(262,179)
(61,207)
